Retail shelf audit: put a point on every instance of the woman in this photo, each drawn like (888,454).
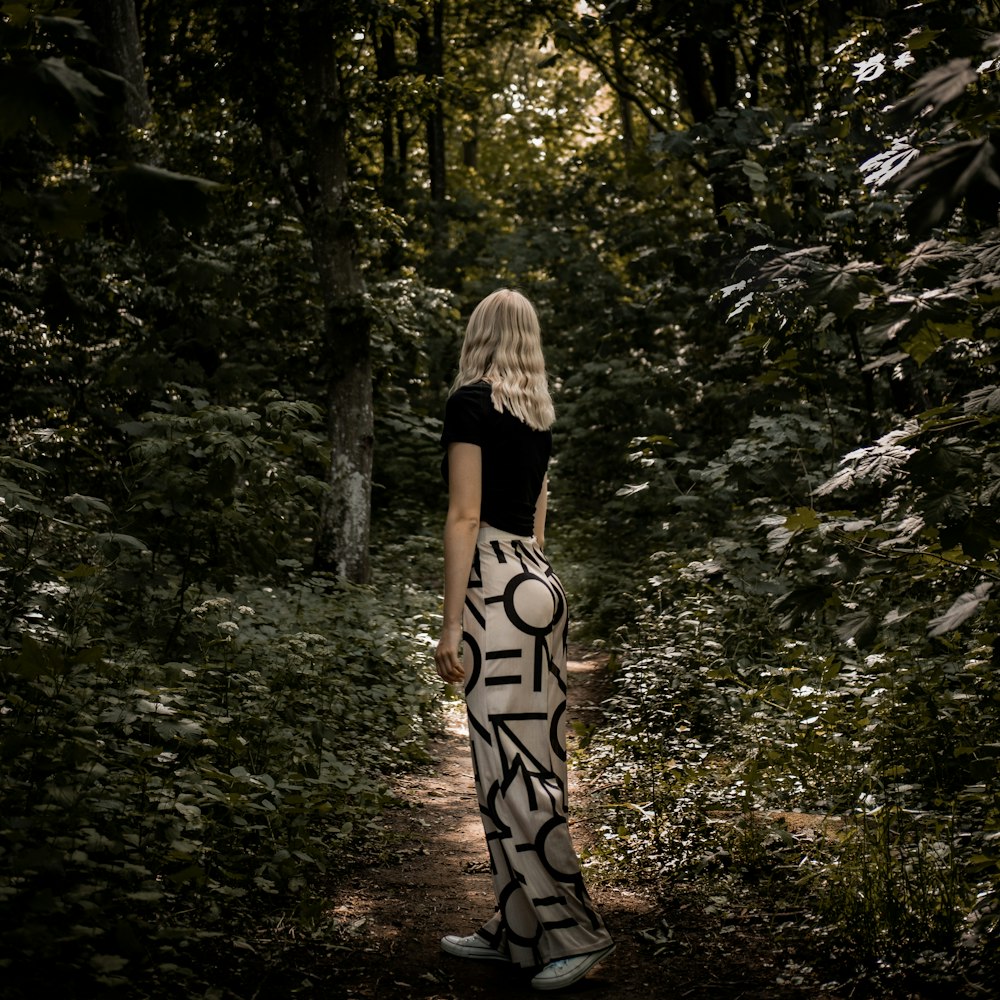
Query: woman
(503,600)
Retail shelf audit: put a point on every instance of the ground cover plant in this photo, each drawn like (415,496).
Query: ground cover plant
(155,808)
(855,793)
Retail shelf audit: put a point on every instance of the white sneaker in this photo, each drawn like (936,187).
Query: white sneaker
(566,971)
(472,946)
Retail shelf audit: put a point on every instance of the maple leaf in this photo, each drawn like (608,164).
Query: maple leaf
(965,606)
(935,90)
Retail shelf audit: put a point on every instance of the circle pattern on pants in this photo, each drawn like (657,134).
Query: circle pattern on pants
(515,640)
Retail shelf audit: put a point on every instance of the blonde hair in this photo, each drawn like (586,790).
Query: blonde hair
(503,346)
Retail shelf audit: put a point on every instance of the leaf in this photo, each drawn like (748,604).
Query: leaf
(146,895)
(189,811)
(935,90)
(17,14)
(136,428)
(841,286)
(755,175)
(801,601)
(984,400)
(861,626)
(920,38)
(804,519)
(879,463)
(112,538)
(108,963)
(885,359)
(923,345)
(79,572)
(937,256)
(84,504)
(68,27)
(618,10)
(882,167)
(870,69)
(37,660)
(56,75)
(960,171)
(964,608)
(151,191)
(631,489)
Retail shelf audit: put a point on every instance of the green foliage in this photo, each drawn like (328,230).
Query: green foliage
(770,317)
(721,725)
(808,535)
(151,808)
(218,487)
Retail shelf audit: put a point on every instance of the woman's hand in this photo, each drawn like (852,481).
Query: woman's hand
(446,658)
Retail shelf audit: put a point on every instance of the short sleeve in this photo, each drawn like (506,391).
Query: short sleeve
(465,416)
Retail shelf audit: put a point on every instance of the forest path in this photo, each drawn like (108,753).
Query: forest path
(436,881)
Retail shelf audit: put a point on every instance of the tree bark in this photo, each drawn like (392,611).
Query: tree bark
(116,25)
(393,142)
(708,85)
(387,69)
(342,538)
(430,58)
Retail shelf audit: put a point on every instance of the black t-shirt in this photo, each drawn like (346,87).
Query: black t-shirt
(515,457)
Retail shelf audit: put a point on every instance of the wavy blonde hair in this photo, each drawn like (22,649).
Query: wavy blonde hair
(503,346)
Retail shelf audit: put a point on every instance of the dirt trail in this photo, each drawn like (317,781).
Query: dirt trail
(438,882)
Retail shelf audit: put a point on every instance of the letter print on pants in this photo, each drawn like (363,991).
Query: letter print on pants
(515,661)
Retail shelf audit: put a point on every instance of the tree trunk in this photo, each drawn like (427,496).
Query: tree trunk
(342,538)
(116,25)
(387,69)
(430,59)
(470,146)
(708,84)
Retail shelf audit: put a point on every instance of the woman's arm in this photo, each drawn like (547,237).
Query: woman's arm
(541,508)
(461,527)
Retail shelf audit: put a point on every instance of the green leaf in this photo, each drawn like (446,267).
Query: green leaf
(984,400)
(960,171)
(920,38)
(55,75)
(861,626)
(964,608)
(37,660)
(117,538)
(151,191)
(923,345)
(108,963)
(67,27)
(18,14)
(936,89)
(79,572)
(84,504)
(804,519)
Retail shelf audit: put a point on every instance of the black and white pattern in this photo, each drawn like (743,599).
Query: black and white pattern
(515,659)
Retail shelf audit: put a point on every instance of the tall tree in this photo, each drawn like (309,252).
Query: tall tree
(342,539)
(292,83)
(116,25)
(430,62)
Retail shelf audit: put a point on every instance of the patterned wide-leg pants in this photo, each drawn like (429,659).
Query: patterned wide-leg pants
(515,662)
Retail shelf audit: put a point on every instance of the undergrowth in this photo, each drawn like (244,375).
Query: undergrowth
(153,811)
(857,793)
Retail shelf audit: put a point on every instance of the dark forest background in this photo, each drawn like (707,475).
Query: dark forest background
(237,246)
